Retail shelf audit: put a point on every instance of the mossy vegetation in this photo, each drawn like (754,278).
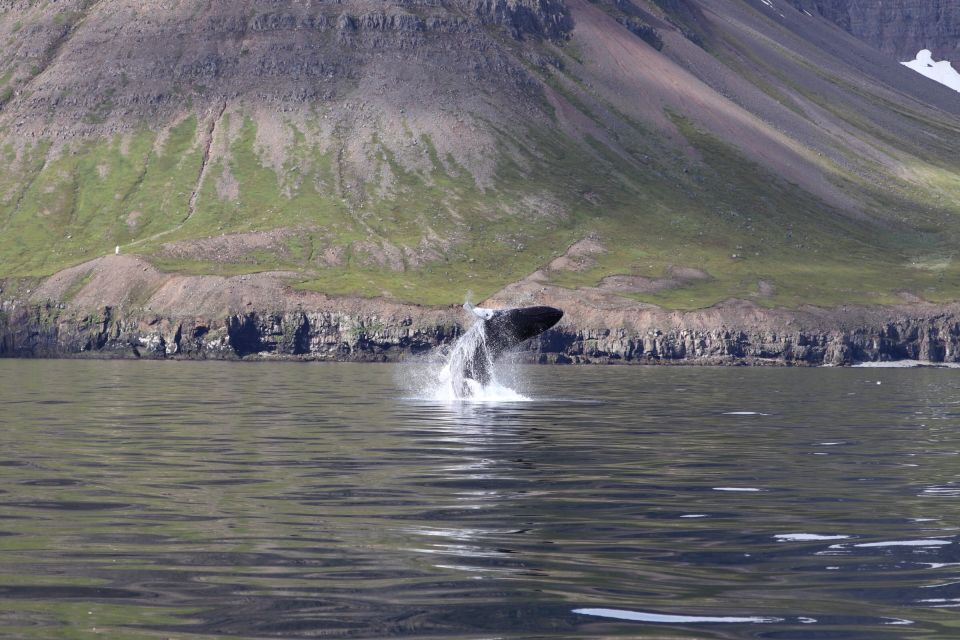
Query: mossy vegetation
(741,224)
(79,202)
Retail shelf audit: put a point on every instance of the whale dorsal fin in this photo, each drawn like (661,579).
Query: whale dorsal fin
(483,314)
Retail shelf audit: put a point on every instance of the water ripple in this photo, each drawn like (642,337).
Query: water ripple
(265,500)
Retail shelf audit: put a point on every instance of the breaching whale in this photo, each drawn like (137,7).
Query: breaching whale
(503,330)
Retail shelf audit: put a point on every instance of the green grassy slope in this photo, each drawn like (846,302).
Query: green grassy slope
(729,217)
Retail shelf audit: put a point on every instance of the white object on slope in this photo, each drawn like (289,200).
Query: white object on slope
(942,72)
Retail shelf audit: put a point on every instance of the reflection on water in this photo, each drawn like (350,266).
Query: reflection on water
(640,616)
(258,500)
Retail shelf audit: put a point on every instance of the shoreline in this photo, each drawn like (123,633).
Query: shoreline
(122,307)
(737,333)
(531,362)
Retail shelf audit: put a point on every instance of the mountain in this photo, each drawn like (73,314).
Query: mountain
(671,152)
(900,28)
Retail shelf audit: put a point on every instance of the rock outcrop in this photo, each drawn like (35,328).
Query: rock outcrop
(523,18)
(47,331)
(898,27)
(272,53)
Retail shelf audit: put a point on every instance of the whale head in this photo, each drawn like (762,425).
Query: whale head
(503,329)
(509,327)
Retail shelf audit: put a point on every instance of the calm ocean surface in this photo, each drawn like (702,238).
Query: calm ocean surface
(201,500)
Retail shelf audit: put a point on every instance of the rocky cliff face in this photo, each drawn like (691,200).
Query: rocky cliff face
(929,335)
(217,318)
(42,331)
(898,27)
(151,63)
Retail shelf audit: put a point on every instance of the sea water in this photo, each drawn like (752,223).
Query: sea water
(300,500)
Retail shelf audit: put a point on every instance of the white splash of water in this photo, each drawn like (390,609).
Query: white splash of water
(445,380)
(471,346)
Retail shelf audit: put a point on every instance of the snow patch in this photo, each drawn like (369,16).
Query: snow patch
(770,4)
(942,71)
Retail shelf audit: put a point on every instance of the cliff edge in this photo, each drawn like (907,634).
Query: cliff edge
(122,307)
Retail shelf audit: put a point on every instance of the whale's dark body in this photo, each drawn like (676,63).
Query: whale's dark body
(505,329)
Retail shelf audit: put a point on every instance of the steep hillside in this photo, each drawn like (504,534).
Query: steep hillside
(677,152)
